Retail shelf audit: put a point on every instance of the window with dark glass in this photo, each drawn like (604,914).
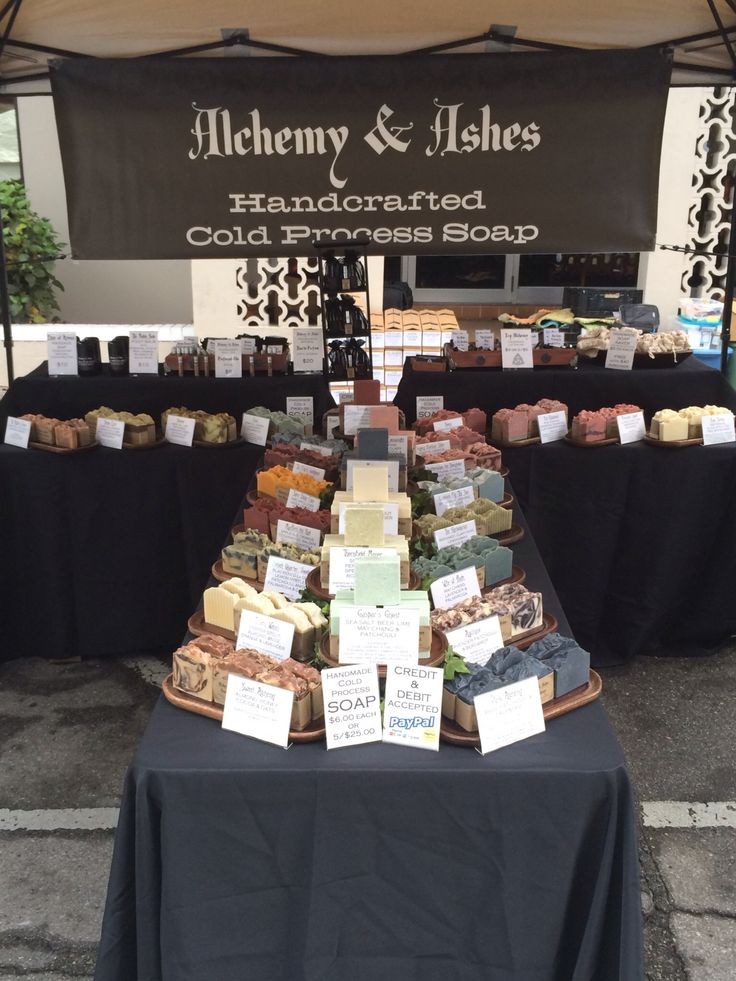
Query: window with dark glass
(460,272)
(569,269)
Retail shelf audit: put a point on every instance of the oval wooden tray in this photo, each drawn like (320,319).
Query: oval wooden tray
(197,625)
(220,575)
(608,441)
(314,732)
(313,583)
(672,444)
(516,442)
(514,534)
(517,575)
(436,653)
(451,732)
(62,449)
(507,501)
(202,444)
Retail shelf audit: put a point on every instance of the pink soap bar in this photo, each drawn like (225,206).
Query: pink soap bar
(367,391)
(257,519)
(510,425)
(384,417)
(589,426)
(475,419)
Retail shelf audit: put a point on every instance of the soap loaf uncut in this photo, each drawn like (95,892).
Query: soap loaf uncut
(209,427)
(139,429)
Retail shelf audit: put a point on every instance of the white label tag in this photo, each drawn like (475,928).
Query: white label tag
(427,405)
(352,705)
(399,446)
(228,359)
(447,468)
(438,446)
(265,634)
(553,337)
(393,338)
(110,432)
(453,499)
(342,564)
(346,396)
(552,426)
(445,425)
(393,472)
(18,432)
(333,423)
(300,407)
(307,351)
(621,350)
(413,706)
(455,534)
(260,711)
(274,349)
(393,359)
(631,427)
(460,340)
(315,447)
(356,417)
(61,346)
(301,535)
(509,714)
(317,472)
(254,429)
(143,352)
(287,577)
(298,499)
(516,348)
(484,340)
(248,345)
(448,591)
(379,635)
(390,516)
(179,430)
(718,429)
(477,641)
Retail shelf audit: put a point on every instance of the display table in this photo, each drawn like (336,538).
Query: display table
(236,859)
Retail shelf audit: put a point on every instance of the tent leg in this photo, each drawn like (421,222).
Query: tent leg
(5,306)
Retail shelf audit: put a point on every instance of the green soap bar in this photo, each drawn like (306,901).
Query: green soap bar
(377,580)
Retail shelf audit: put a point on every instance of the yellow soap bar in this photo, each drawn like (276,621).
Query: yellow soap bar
(219,607)
(370,483)
(364,526)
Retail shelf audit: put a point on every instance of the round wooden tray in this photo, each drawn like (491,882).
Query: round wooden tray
(672,444)
(507,500)
(62,449)
(202,444)
(514,534)
(220,575)
(314,732)
(504,471)
(517,575)
(451,732)
(609,441)
(313,583)
(516,442)
(549,625)
(197,625)
(436,653)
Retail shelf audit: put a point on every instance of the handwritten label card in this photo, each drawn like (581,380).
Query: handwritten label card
(293,534)
(228,359)
(484,340)
(718,429)
(621,350)
(399,446)
(316,472)
(298,499)
(110,432)
(287,577)
(257,710)
(631,427)
(254,429)
(316,448)
(61,346)
(265,634)
(455,534)
(516,348)
(248,345)
(143,352)
(553,337)
(379,635)
(449,590)
(413,706)
(477,641)
(438,446)
(427,405)
(300,407)
(342,564)
(509,714)
(453,499)
(179,430)
(460,340)
(444,425)
(307,350)
(356,417)
(447,468)
(18,432)
(552,426)
(352,705)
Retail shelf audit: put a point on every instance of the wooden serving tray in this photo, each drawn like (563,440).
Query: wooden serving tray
(507,501)
(517,575)
(522,641)
(672,443)
(451,732)
(313,583)
(197,625)
(151,445)
(542,357)
(514,534)
(608,441)
(436,653)
(202,444)
(314,732)
(220,575)
(62,449)
(516,442)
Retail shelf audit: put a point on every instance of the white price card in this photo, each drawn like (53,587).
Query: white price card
(298,499)
(307,350)
(399,446)
(228,359)
(475,642)
(447,468)
(445,425)
(292,534)
(718,429)
(412,706)
(248,345)
(453,499)
(18,432)
(352,705)
(110,432)
(455,535)
(179,430)
(390,515)
(553,337)
(316,448)
(552,426)
(379,635)
(257,710)
(484,340)
(631,427)
(460,340)
(516,348)
(393,472)
(509,714)
(450,590)
(427,405)
(333,423)
(345,396)
(356,417)
(266,634)
(254,429)
(61,346)
(316,472)
(438,446)
(342,564)
(300,407)
(143,352)
(621,349)
(287,577)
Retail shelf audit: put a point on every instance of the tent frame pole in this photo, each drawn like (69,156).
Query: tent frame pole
(5,304)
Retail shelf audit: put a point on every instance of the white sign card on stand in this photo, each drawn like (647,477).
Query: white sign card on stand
(260,711)
(718,429)
(413,706)
(508,715)
(307,350)
(621,350)
(516,348)
(61,347)
(352,705)
(143,352)
(17,432)
(179,430)
(228,359)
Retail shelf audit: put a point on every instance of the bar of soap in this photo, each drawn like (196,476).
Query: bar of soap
(372,444)
(367,391)
(370,483)
(219,607)
(364,526)
(377,580)
(385,416)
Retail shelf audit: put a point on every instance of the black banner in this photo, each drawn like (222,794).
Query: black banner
(509,153)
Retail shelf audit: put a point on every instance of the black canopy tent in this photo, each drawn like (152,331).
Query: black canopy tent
(702,43)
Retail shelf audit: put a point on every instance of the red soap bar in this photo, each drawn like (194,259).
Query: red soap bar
(367,391)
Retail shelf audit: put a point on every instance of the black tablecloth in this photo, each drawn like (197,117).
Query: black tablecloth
(234,859)
(588,387)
